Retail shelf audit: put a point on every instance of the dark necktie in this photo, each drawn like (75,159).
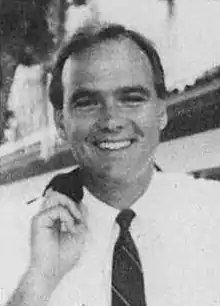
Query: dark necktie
(127,276)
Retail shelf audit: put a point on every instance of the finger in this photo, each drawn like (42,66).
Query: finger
(54,198)
(58,218)
(45,203)
(46,199)
(48,192)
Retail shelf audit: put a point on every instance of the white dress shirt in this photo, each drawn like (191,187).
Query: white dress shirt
(177,234)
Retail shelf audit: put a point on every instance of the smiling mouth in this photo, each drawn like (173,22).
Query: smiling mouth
(114,145)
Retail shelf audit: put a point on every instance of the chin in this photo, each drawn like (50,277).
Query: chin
(112,172)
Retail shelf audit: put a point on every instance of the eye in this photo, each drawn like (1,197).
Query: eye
(133,98)
(85,102)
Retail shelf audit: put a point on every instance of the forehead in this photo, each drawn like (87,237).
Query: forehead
(108,65)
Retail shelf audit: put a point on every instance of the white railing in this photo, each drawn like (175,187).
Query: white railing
(39,145)
(20,145)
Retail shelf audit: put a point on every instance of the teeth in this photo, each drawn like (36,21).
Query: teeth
(115,145)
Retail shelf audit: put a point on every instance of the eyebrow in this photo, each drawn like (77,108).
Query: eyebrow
(83,92)
(133,89)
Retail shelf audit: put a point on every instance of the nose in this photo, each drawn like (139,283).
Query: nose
(110,119)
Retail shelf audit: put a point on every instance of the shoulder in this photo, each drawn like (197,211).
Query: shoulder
(181,182)
(187,208)
(184,193)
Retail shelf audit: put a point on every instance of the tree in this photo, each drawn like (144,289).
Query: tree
(171,7)
(31,32)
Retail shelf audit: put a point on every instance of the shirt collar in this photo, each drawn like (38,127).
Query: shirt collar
(102,215)
(140,206)
(99,215)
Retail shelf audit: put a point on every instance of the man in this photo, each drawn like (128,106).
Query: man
(114,231)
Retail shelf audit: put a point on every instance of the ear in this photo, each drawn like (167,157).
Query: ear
(59,122)
(163,117)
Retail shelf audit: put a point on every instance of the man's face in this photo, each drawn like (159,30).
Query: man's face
(111,115)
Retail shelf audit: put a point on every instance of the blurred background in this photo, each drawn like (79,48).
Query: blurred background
(185,33)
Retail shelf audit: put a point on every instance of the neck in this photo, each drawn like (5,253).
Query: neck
(117,193)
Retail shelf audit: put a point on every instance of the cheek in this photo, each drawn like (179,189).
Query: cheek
(148,119)
(76,128)
(75,133)
(147,126)
(76,139)
(78,131)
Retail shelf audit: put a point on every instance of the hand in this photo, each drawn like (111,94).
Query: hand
(57,238)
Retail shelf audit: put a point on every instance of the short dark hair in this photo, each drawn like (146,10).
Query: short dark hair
(85,39)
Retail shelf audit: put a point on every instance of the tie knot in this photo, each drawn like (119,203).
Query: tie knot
(124,219)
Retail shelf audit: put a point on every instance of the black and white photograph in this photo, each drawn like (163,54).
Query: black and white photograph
(109,153)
